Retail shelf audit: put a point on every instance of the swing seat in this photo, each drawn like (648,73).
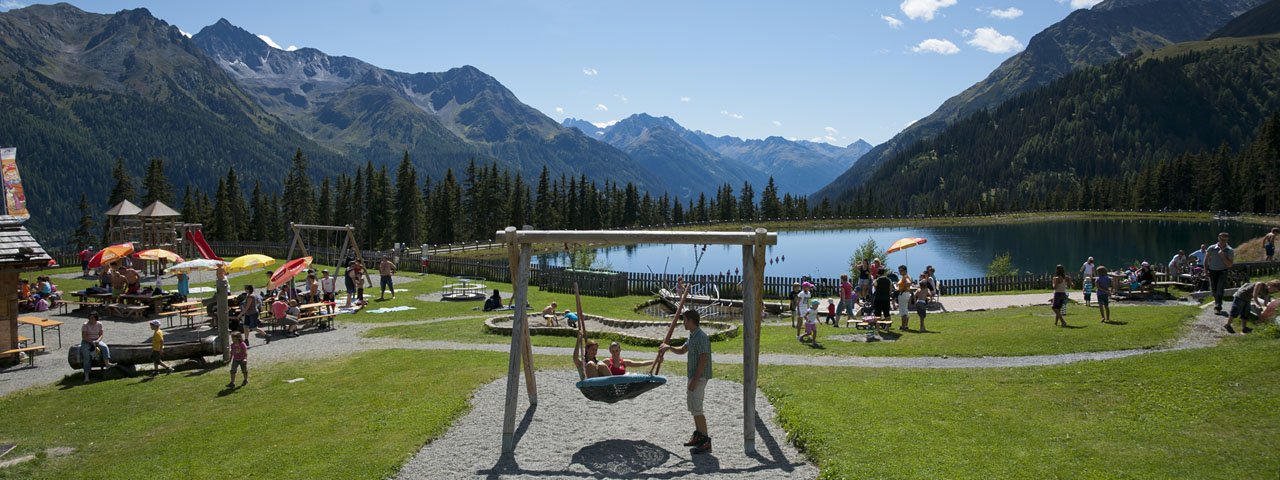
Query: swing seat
(615,388)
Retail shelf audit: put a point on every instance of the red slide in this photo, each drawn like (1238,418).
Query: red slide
(197,237)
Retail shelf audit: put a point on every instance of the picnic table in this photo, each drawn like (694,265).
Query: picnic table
(317,312)
(154,302)
(44,324)
(188,311)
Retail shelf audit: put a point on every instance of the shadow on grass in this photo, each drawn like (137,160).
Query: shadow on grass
(1113,322)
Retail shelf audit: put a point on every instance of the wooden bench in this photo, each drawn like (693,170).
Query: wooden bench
(31,359)
(23,341)
(1166,286)
(190,317)
(136,311)
(64,305)
(324,320)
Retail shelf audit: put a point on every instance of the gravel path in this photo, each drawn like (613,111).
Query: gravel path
(569,437)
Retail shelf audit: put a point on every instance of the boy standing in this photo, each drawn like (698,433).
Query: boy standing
(385,270)
(157,348)
(698,348)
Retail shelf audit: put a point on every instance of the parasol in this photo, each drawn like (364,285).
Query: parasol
(290,269)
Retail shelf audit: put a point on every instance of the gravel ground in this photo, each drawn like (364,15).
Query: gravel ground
(599,440)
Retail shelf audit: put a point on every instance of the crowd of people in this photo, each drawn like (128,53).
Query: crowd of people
(39,297)
(874,290)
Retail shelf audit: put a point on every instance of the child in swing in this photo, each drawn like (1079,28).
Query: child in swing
(698,348)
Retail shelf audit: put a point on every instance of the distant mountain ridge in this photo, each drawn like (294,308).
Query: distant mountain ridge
(81,89)
(442,119)
(694,157)
(1086,37)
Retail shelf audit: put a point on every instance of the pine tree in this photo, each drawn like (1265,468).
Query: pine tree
(123,189)
(298,192)
(324,205)
(408,204)
(258,219)
(746,203)
(157,186)
(83,237)
(542,210)
(770,209)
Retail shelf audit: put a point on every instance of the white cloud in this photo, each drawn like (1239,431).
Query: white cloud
(271,43)
(1078,4)
(559,109)
(604,124)
(828,135)
(184,33)
(989,40)
(777,123)
(735,116)
(686,99)
(933,45)
(893,22)
(601,107)
(590,72)
(923,9)
(1005,13)
(11,4)
(623,98)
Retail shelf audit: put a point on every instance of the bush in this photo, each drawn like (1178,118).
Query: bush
(869,250)
(1002,266)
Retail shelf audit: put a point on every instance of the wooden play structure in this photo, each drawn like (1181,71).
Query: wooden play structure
(156,226)
(520,251)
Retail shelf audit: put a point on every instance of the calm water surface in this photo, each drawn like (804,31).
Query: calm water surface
(956,252)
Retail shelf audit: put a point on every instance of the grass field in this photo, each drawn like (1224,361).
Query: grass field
(353,417)
(1202,413)
(1007,332)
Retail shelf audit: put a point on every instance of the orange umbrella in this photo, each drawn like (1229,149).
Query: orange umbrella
(290,269)
(157,254)
(904,244)
(111,254)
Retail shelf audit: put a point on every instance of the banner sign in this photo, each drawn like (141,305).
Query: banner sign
(15,199)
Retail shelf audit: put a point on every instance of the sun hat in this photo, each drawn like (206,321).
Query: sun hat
(154,323)
(807,284)
(813,302)
(1145,264)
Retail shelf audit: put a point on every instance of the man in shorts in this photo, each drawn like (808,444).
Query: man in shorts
(1102,287)
(1269,243)
(698,348)
(386,268)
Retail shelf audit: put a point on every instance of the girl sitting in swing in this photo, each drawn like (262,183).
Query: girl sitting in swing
(614,365)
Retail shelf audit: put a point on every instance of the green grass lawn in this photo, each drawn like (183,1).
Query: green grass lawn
(353,417)
(1202,413)
(1006,332)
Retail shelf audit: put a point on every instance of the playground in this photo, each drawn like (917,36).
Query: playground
(995,391)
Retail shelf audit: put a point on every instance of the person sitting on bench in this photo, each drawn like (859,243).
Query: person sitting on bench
(90,340)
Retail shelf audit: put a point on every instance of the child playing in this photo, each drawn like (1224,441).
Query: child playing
(1088,291)
(831,312)
(810,324)
(1103,285)
(698,347)
(157,348)
(239,358)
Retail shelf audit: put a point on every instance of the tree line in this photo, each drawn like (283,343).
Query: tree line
(388,207)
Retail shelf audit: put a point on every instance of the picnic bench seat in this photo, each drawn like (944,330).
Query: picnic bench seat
(323,320)
(23,341)
(1166,286)
(868,322)
(31,359)
(136,311)
(65,305)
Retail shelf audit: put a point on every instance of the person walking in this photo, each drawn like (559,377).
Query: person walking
(1086,269)
(1269,243)
(848,299)
(1219,258)
(386,268)
(1061,282)
(1102,286)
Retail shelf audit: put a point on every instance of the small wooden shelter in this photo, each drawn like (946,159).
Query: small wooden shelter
(158,227)
(122,223)
(19,252)
(520,251)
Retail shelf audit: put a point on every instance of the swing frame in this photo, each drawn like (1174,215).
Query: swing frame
(300,243)
(520,252)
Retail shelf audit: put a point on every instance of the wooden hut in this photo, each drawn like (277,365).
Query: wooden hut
(158,227)
(19,252)
(122,223)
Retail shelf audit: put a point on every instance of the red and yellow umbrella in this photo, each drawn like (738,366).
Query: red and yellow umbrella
(904,244)
(290,269)
(111,254)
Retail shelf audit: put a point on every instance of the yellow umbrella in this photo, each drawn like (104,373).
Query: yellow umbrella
(249,262)
(158,254)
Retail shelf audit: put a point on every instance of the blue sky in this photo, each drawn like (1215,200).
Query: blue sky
(830,71)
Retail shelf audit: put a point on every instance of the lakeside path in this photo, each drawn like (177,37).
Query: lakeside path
(348,338)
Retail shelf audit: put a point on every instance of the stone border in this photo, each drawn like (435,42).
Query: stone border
(727,330)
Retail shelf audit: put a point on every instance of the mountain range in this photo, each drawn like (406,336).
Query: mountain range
(697,159)
(1087,37)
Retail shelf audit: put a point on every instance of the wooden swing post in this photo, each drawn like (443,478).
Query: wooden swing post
(519,255)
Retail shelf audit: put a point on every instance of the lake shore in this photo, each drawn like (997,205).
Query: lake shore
(846,223)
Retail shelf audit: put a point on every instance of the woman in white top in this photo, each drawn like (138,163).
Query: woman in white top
(90,340)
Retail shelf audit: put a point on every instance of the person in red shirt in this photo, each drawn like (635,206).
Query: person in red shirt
(85,256)
(831,312)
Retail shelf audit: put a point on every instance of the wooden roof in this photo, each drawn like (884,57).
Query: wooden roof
(19,250)
(124,208)
(158,209)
